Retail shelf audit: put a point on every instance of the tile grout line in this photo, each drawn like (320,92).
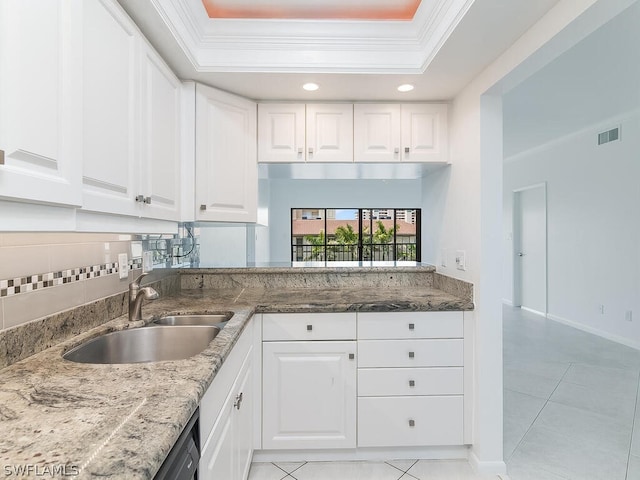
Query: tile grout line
(543,406)
(635,412)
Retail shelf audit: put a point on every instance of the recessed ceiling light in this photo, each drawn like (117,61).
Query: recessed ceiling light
(405,88)
(310,87)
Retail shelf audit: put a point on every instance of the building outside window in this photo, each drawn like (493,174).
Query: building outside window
(355,234)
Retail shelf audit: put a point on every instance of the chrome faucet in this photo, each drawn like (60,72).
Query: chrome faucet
(136,295)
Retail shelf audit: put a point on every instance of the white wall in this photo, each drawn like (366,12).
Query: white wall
(473,205)
(223,246)
(288,194)
(593,226)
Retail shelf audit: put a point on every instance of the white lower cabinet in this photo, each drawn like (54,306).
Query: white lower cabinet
(309,381)
(226,417)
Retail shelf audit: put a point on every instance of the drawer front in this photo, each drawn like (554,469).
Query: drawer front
(400,325)
(410,353)
(308,326)
(410,421)
(386,382)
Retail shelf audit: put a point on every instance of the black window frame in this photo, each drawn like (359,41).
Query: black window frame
(294,246)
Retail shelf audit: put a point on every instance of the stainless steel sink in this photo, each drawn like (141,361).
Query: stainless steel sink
(215,319)
(146,344)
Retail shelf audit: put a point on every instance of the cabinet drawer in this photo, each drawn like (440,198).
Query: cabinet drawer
(410,421)
(308,326)
(397,325)
(410,353)
(386,382)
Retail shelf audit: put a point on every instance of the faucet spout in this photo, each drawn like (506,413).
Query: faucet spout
(136,296)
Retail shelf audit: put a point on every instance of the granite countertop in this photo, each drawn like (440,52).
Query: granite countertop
(120,421)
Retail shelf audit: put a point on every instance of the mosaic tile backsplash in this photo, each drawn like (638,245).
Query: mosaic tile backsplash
(29,283)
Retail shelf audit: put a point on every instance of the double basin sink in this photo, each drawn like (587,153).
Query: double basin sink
(174,337)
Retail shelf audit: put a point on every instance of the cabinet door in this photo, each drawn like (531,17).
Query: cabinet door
(243,420)
(226,166)
(330,133)
(424,133)
(110,91)
(217,459)
(281,135)
(376,133)
(309,395)
(160,167)
(40,103)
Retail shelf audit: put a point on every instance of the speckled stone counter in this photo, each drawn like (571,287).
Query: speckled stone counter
(120,421)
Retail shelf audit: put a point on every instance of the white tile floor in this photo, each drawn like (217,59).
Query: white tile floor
(570,403)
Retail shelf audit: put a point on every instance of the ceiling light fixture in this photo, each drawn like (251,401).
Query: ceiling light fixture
(405,88)
(310,87)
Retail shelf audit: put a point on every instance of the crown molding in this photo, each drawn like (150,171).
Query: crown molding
(267,45)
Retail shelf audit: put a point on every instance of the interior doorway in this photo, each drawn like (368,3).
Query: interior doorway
(530,248)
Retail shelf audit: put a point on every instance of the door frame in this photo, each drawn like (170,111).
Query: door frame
(517,242)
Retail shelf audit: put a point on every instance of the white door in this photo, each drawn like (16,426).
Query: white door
(309,395)
(226,163)
(281,135)
(530,248)
(376,132)
(330,132)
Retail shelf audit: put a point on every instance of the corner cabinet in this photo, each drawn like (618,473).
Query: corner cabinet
(309,381)
(131,133)
(226,171)
(226,416)
(40,108)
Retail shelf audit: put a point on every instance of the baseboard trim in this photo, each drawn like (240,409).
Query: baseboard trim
(371,454)
(535,312)
(595,331)
(483,467)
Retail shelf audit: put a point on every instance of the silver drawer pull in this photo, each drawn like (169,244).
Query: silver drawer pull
(238,401)
(309,328)
(412,326)
(412,423)
(203,207)
(352,356)
(412,354)
(412,383)
(140,198)
(406,149)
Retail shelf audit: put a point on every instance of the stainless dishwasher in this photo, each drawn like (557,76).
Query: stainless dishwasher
(183,459)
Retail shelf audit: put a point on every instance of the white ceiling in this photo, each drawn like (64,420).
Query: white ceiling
(596,80)
(443,58)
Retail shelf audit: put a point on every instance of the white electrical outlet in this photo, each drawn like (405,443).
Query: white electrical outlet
(461,262)
(601,309)
(628,316)
(123,265)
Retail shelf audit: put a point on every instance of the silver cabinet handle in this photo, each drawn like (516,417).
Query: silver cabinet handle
(300,151)
(406,149)
(412,423)
(203,207)
(140,198)
(238,401)
(147,200)
(412,326)
(412,354)
(412,383)
(521,254)
(1,157)
(352,356)
(309,328)
(310,150)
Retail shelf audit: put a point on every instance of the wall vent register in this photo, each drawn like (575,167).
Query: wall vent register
(609,136)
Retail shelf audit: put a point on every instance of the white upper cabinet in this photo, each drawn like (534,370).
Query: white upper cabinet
(111,126)
(330,132)
(376,133)
(40,103)
(425,133)
(289,132)
(131,162)
(226,165)
(410,132)
(281,132)
(160,149)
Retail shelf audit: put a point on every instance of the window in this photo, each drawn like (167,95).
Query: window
(355,234)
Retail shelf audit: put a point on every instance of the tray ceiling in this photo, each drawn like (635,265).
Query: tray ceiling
(299,9)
